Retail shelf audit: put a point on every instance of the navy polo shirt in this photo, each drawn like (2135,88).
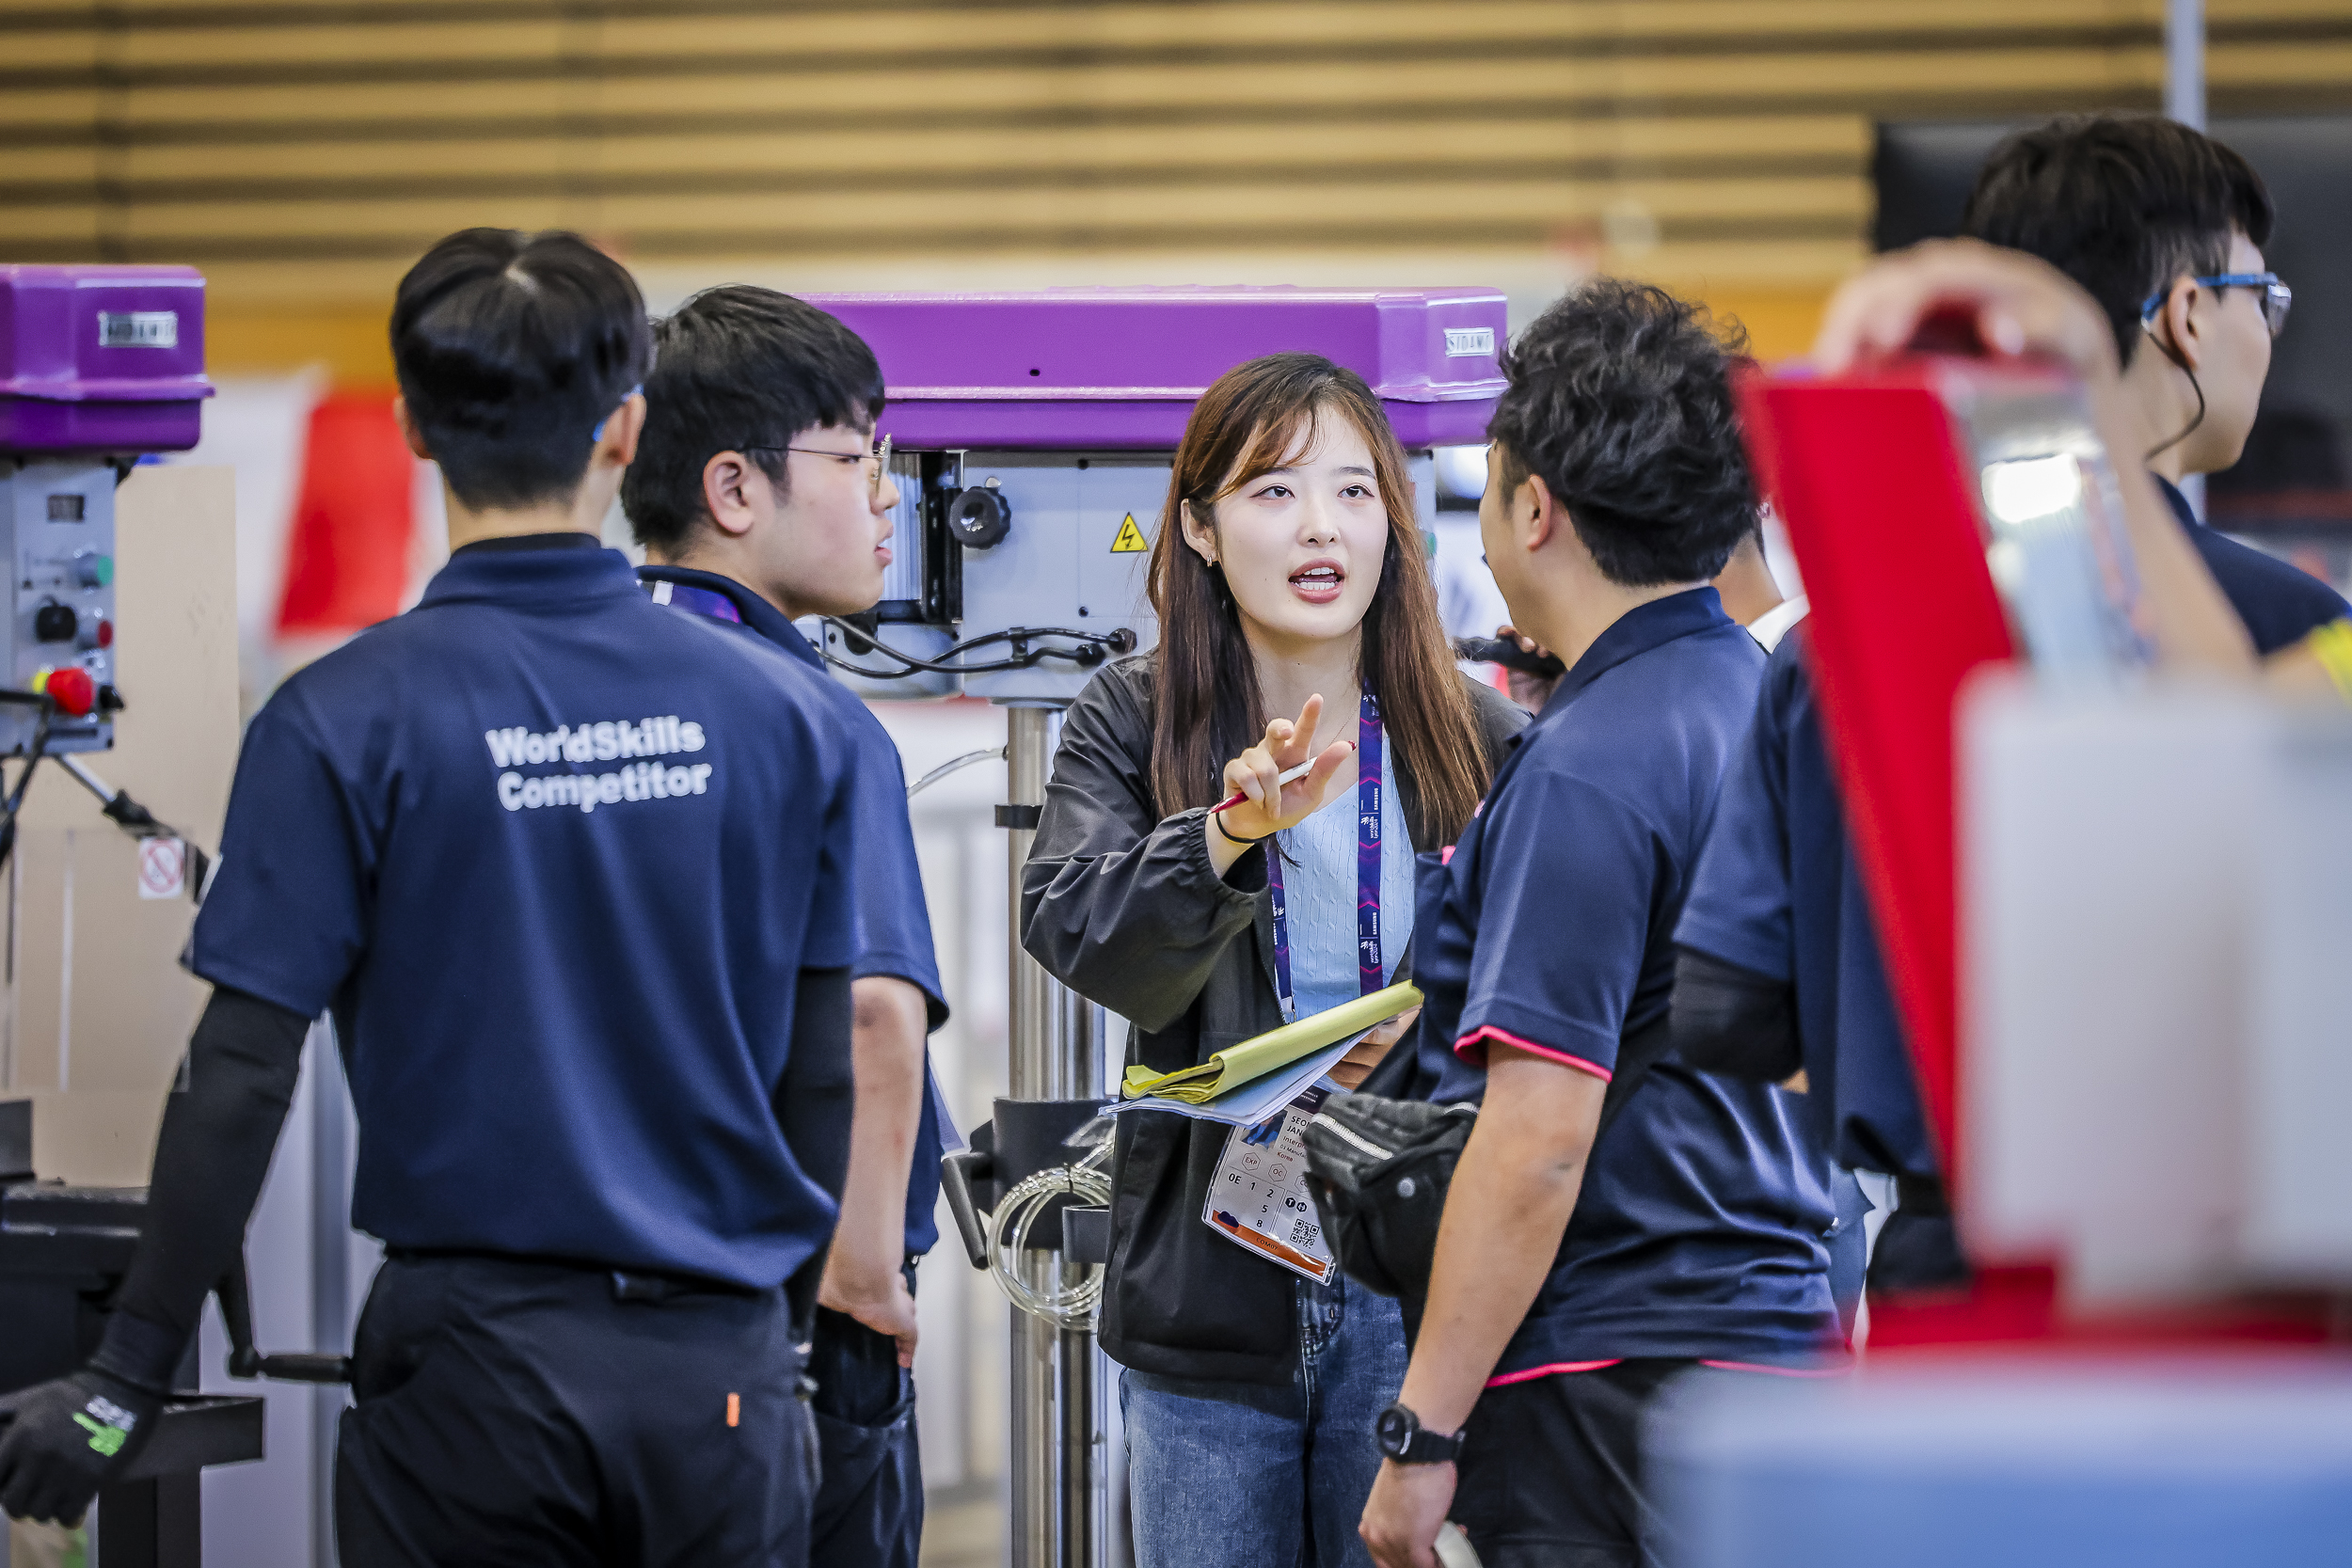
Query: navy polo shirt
(1698,1232)
(894,924)
(556,858)
(2280,602)
(1779,891)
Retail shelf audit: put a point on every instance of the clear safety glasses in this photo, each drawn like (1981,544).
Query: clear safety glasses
(880,457)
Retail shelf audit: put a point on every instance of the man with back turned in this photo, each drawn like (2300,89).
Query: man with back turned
(564,867)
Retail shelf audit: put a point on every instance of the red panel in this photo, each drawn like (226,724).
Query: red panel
(1870,478)
(1867,478)
(348,550)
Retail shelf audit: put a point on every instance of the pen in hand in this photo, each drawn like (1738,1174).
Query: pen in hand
(1288,775)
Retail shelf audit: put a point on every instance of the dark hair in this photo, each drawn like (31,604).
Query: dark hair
(2122,204)
(512,349)
(1207,705)
(739,367)
(1620,400)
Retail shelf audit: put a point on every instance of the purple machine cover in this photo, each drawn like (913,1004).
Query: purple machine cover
(1119,369)
(101,358)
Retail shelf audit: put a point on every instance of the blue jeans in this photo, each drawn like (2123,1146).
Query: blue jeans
(1247,1475)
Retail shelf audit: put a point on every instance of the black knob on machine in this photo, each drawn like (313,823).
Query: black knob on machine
(980,516)
(54,623)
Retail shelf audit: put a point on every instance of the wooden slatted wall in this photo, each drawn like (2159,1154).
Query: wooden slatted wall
(303,151)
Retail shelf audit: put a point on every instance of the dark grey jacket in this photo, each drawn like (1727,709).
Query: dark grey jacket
(1123,908)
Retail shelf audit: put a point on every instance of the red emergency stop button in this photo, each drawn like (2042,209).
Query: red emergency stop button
(71,689)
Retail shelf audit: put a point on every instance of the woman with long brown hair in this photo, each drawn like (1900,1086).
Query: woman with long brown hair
(1297,621)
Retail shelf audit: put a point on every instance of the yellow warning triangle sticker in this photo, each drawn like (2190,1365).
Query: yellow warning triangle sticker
(1130,540)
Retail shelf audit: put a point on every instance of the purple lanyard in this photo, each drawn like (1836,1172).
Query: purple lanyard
(703,601)
(1370,973)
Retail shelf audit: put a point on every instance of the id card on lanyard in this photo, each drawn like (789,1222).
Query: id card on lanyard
(1258,1198)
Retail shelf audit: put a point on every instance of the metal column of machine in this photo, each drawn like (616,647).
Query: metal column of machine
(1033,435)
(1062,1475)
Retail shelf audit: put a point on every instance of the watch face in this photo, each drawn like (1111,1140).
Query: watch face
(1395,1428)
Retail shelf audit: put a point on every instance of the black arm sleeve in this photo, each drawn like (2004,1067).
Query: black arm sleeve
(1733,1020)
(211,1159)
(818,1091)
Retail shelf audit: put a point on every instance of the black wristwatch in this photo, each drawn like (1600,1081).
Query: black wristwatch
(1403,1439)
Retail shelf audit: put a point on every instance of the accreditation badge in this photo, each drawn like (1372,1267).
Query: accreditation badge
(1260,1200)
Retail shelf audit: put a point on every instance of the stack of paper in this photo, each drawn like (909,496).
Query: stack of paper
(1247,1082)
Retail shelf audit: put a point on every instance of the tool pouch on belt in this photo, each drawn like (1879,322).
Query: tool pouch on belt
(1379,1168)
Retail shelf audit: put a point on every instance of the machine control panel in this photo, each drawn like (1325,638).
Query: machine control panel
(1070,555)
(59,523)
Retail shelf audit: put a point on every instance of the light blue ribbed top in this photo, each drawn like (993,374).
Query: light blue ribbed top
(1319,893)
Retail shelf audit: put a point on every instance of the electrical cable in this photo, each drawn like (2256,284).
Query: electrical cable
(989,754)
(1091,652)
(2178,358)
(1085,656)
(1070,1307)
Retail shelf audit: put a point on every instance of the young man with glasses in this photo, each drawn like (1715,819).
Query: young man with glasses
(1780,964)
(2164,227)
(760,496)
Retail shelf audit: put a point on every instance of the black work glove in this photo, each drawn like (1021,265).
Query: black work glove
(61,1441)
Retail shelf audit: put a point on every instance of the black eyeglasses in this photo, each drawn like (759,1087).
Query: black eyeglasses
(880,457)
(2275,297)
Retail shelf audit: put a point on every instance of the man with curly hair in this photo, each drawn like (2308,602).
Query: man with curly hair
(1576,1275)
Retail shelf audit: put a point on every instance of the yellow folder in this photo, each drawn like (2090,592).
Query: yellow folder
(1277,1047)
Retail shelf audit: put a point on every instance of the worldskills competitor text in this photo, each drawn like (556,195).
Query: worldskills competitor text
(599,742)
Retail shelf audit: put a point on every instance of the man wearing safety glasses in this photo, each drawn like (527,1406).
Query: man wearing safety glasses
(760,496)
(2163,227)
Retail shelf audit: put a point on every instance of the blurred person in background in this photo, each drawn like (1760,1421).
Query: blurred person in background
(2163,227)
(1290,579)
(1780,968)
(1778,977)
(1752,594)
(2021,305)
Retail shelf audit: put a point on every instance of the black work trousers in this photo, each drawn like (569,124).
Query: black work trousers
(1551,1472)
(510,1412)
(869,1506)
